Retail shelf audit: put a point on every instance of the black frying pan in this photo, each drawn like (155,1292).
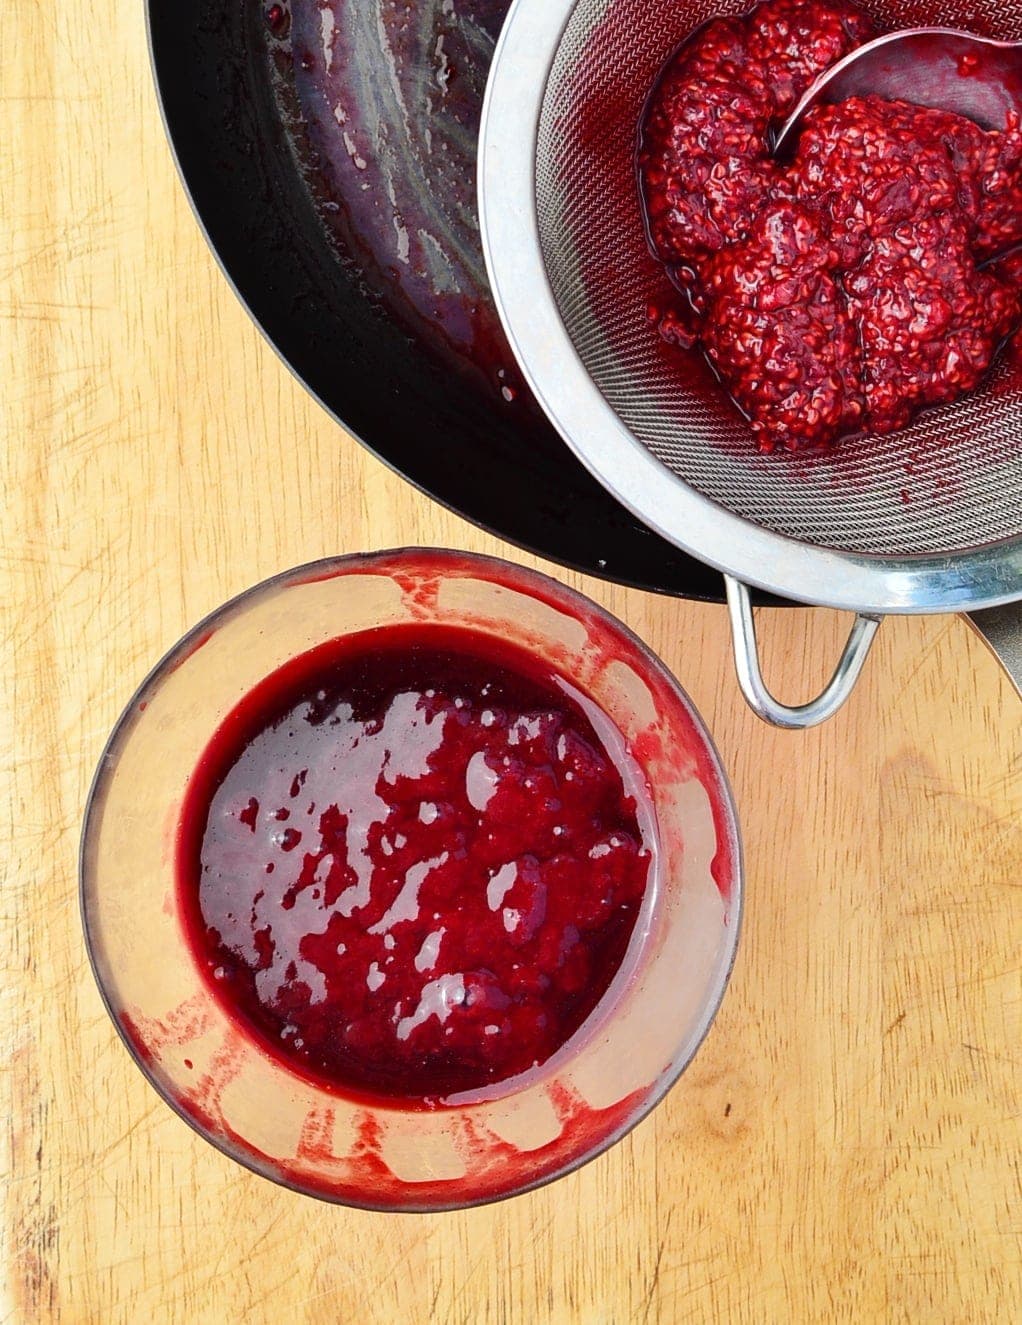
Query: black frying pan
(385,379)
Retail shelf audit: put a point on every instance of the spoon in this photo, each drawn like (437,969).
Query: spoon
(936,67)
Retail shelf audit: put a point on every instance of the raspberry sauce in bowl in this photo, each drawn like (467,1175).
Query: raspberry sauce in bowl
(410,864)
(411,880)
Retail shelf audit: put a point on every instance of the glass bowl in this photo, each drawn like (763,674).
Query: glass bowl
(382,1155)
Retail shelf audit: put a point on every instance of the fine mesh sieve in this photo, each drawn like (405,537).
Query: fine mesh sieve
(927,519)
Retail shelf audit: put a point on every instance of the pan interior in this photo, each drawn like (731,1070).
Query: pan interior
(226,85)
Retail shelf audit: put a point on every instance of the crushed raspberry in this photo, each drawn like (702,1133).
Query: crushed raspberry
(796,41)
(843,292)
(929,321)
(703,158)
(777,328)
(997,162)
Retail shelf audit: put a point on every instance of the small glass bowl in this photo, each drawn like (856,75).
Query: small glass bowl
(612,1071)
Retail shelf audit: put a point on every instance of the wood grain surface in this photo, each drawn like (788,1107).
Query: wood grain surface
(845,1147)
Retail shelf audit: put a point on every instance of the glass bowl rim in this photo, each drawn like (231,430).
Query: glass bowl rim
(495,570)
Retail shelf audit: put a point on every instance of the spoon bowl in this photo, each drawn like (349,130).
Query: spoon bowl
(941,68)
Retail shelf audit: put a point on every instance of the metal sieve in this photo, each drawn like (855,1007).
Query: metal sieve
(925,520)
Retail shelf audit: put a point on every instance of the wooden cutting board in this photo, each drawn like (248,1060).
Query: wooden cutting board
(846,1145)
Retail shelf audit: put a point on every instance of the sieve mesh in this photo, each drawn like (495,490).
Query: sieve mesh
(949,483)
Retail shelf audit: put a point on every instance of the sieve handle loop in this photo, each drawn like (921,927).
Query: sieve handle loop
(750,675)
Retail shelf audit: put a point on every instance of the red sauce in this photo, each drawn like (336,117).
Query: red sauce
(409,864)
(842,292)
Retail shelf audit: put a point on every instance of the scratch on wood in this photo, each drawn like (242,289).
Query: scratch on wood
(989,1053)
(33,1222)
(654,1282)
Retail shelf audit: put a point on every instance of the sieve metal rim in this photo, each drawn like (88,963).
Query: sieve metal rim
(985,576)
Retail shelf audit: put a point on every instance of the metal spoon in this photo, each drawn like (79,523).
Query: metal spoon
(936,67)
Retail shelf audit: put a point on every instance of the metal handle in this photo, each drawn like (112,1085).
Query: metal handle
(750,677)
(1001,629)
